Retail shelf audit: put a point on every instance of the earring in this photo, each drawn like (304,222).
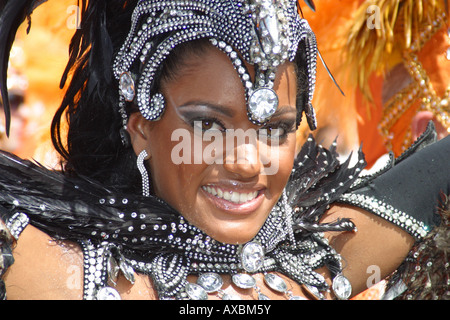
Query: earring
(144,173)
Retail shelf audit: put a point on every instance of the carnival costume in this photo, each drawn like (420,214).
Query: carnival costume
(125,233)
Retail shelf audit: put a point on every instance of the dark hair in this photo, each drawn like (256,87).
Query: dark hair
(93,146)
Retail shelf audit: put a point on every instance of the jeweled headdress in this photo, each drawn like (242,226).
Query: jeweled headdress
(264,33)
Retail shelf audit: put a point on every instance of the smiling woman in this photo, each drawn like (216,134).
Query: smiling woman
(181,178)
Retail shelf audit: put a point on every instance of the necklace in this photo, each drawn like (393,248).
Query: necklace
(252,256)
(213,282)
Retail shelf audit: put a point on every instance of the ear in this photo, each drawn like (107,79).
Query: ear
(137,128)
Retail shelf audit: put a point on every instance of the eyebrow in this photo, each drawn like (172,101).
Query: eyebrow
(283,110)
(226,111)
(229,112)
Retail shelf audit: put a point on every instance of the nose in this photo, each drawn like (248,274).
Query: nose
(243,160)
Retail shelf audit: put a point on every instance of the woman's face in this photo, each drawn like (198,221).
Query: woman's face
(224,187)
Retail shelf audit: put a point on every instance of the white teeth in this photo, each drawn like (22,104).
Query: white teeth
(235,197)
(231,196)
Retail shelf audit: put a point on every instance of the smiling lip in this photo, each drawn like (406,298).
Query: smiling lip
(232,200)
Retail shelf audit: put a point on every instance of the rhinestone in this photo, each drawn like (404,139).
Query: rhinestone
(342,287)
(227,296)
(196,292)
(112,269)
(211,282)
(243,280)
(127,270)
(262,296)
(126,85)
(262,104)
(252,257)
(275,282)
(297,298)
(108,293)
(313,291)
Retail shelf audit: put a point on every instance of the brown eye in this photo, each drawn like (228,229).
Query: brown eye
(205,125)
(272,132)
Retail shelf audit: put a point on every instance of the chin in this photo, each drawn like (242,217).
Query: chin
(234,235)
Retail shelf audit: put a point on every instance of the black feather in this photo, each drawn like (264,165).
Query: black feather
(319,179)
(74,208)
(13,13)
(310,4)
(101,54)
(329,73)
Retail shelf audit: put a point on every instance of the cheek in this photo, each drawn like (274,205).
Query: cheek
(282,159)
(173,180)
(286,155)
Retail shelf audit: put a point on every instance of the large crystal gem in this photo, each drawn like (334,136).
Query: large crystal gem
(275,282)
(269,27)
(196,292)
(108,293)
(243,280)
(211,282)
(342,287)
(313,292)
(127,270)
(113,269)
(262,104)
(252,257)
(126,86)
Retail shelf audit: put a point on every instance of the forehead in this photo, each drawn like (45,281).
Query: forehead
(210,73)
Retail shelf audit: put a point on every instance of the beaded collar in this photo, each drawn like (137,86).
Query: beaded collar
(194,253)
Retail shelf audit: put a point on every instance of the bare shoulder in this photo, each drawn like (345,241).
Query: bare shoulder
(377,246)
(46,269)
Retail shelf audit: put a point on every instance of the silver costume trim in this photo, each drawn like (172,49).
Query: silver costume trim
(401,219)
